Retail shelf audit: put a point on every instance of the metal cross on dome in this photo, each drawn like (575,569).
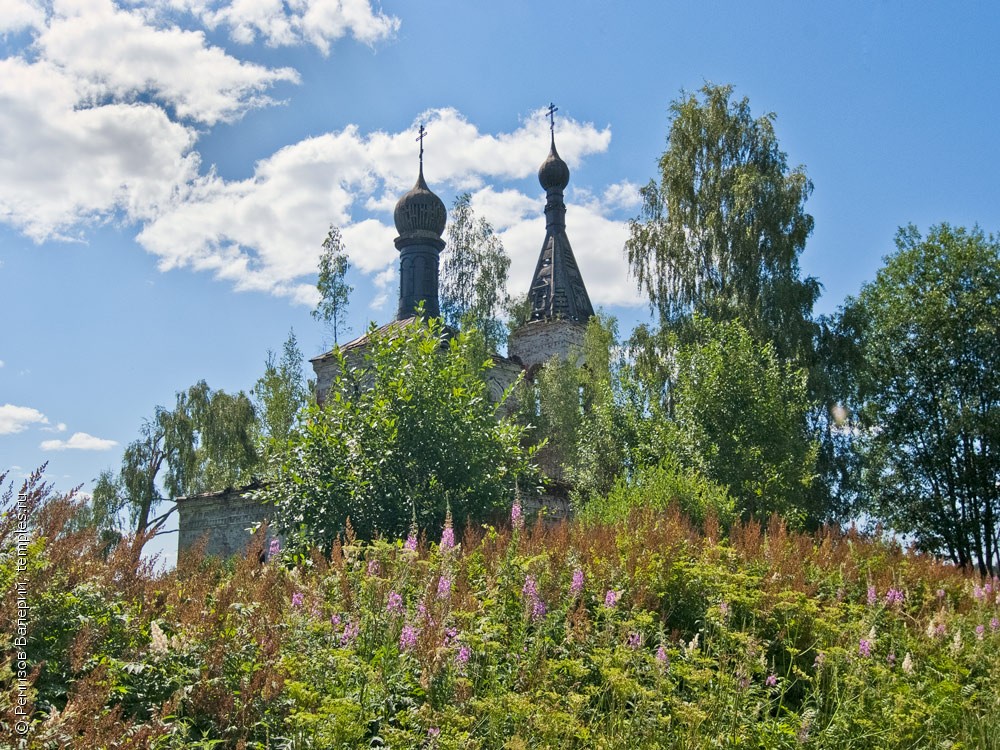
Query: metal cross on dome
(551,114)
(423,134)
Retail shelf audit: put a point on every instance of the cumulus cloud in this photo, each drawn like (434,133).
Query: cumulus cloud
(14,419)
(98,116)
(261,233)
(78,441)
(21,14)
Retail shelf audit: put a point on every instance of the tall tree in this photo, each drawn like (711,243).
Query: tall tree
(926,397)
(207,442)
(280,393)
(474,274)
(722,231)
(334,291)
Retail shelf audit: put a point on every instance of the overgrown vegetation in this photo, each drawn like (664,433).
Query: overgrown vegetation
(644,633)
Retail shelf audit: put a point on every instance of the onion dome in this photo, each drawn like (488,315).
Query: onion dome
(420,211)
(553,174)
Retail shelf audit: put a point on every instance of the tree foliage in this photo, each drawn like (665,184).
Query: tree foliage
(721,232)
(741,421)
(279,394)
(334,291)
(927,394)
(410,430)
(474,274)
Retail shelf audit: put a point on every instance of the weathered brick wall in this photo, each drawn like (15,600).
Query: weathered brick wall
(536,342)
(222,519)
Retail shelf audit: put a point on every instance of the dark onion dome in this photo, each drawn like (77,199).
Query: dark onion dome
(420,211)
(553,174)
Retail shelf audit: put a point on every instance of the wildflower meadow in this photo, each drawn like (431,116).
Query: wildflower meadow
(647,633)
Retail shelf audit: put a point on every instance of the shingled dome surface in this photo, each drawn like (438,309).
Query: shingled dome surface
(420,211)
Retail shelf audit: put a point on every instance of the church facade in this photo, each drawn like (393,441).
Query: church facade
(559,311)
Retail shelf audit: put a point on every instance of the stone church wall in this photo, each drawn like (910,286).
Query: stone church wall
(536,342)
(221,519)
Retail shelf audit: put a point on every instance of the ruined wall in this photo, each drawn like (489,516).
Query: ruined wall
(222,519)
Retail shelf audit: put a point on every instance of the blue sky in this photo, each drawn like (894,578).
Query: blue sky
(168,168)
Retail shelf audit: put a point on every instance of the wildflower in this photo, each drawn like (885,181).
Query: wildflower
(893,597)
(634,640)
(350,633)
(448,535)
(871,635)
(980,631)
(662,656)
(979,593)
(994,624)
(864,648)
(743,681)
(450,635)
(908,663)
(891,659)
(463,655)
(940,593)
(818,661)
(772,680)
(297,599)
(693,644)
(394,603)
(516,515)
(940,630)
(407,638)
(444,587)
(157,640)
(411,541)
(576,586)
(274,549)
(724,610)
(374,568)
(956,642)
(433,733)
(872,596)
(530,592)
(335,620)
(611,598)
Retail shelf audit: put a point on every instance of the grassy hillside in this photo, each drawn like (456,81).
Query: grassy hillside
(648,633)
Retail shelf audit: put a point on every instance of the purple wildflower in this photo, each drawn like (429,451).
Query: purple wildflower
(433,733)
(864,647)
(634,640)
(994,624)
(940,630)
(274,549)
(297,599)
(350,633)
(530,592)
(724,610)
(335,620)
(940,593)
(374,568)
(407,638)
(872,596)
(577,584)
(411,541)
(395,603)
(980,631)
(893,597)
(611,598)
(463,655)
(771,681)
(891,659)
(516,515)
(662,656)
(444,587)
(448,535)
(979,593)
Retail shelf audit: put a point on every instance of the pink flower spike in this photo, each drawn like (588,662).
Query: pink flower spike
(771,681)
(297,599)
(611,598)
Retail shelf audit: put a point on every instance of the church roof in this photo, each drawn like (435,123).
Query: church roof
(557,290)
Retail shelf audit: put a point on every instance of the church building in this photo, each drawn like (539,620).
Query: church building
(559,310)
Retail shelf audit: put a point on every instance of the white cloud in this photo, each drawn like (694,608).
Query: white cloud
(95,115)
(263,233)
(14,419)
(79,441)
(1,363)
(20,14)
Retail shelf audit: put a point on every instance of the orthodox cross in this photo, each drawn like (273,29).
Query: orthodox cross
(423,134)
(551,114)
